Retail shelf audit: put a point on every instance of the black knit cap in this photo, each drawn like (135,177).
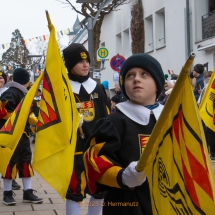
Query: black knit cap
(146,62)
(21,76)
(199,68)
(4,76)
(73,54)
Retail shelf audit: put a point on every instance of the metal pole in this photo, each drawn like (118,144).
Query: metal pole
(188,27)
(90,44)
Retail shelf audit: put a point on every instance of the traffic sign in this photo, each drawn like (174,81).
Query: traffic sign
(102,54)
(117,62)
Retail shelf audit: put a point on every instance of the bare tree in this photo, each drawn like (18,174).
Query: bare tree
(137,28)
(17,54)
(90,9)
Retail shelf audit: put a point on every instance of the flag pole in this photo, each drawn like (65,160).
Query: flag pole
(142,163)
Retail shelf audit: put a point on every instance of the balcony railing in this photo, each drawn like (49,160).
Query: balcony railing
(208,25)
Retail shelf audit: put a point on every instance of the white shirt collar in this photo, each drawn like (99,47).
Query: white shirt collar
(37,98)
(89,85)
(138,113)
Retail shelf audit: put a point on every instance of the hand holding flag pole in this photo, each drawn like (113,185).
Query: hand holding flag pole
(142,163)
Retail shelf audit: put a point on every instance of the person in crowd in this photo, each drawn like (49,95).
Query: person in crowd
(206,78)
(119,92)
(114,147)
(114,101)
(3,80)
(105,86)
(198,74)
(192,80)
(162,95)
(91,103)
(21,159)
(168,89)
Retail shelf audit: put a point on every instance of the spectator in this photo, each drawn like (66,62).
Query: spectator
(119,92)
(105,86)
(114,101)
(168,90)
(206,77)
(198,74)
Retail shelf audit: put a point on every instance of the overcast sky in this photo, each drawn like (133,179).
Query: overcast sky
(29,17)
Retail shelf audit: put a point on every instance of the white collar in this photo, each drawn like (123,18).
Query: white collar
(89,85)
(37,98)
(138,113)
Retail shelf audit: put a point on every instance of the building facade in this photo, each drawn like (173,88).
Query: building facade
(172,28)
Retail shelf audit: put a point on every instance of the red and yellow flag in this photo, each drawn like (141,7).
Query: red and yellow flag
(176,159)
(58,122)
(207,105)
(13,129)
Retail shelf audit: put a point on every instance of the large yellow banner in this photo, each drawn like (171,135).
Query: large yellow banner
(206,108)
(58,122)
(176,160)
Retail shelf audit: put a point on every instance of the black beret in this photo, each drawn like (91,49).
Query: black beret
(73,54)
(21,76)
(199,68)
(146,62)
(4,76)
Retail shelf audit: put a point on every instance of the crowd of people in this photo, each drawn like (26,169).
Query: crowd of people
(106,156)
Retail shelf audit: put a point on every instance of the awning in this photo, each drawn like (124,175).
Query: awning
(206,47)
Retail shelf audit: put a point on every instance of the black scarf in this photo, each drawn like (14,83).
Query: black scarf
(79,79)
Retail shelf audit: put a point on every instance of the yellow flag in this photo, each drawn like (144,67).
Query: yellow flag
(206,108)
(13,129)
(176,159)
(58,122)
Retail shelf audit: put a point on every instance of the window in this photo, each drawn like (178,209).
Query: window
(149,45)
(119,43)
(126,44)
(160,28)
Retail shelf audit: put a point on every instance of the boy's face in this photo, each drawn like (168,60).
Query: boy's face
(140,87)
(81,68)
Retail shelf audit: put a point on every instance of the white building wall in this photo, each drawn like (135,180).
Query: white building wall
(171,52)
(115,34)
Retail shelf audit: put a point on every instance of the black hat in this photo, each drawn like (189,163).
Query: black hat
(199,68)
(73,54)
(3,76)
(146,62)
(21,76)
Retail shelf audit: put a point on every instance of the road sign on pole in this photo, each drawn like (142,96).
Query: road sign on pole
(102,54)
(116,62)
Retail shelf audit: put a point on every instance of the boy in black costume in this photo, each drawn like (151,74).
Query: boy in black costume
(118,140)
(21,159)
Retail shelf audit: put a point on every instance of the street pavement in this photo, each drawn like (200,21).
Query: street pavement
(52,202)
